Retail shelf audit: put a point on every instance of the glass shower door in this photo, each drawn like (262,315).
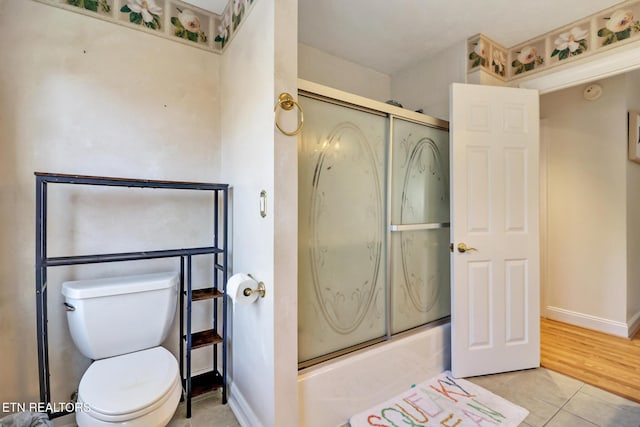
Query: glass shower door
(420,264)
(342,236)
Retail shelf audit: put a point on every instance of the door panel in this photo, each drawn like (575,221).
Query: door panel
(515,165)
(479,193)
(341,236)
(480,304)
(419,253)
(516,301)
(494,202)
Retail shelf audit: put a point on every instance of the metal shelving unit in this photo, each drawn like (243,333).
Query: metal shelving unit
(190,340)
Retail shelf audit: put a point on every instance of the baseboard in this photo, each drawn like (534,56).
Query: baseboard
(634,325)
(607,326)
(241,409)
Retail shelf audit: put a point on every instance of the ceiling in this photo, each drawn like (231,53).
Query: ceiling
(389,36)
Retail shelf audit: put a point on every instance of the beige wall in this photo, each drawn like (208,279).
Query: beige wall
(589,272)
(257,66)
(633,214)
(425,85)
(323,68)
(285,244)
(247,69)
(83,96)
(79,95)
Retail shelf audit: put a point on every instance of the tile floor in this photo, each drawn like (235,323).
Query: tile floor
(206,411)
(555,400)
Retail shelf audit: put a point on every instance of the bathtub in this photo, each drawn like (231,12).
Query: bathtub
(331,392)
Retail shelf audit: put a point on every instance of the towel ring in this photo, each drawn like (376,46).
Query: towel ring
(286,102)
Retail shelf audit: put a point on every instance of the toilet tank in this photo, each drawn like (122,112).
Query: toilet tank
(118,315)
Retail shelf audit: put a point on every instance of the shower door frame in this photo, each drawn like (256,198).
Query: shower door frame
(334,96)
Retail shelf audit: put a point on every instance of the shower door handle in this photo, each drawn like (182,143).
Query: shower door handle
(418,227)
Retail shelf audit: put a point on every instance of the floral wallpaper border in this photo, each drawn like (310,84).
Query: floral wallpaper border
(607,29)
(171,19)
(484,53)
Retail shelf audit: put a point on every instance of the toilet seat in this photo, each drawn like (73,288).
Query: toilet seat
(130,386)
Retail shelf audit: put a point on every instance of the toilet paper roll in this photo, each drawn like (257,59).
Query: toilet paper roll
(236,286)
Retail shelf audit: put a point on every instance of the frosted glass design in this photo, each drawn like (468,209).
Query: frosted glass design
(342,229)
(420,278)
(342,239)
(420,174)
(420,260)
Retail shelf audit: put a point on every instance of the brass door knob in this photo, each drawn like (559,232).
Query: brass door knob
(462,248)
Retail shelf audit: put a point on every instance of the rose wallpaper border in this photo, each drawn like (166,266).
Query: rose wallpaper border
(171,19)
(610,28)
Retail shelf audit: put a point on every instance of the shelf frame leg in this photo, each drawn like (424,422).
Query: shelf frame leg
(188,338)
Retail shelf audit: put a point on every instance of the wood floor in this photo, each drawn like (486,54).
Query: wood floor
(602,360)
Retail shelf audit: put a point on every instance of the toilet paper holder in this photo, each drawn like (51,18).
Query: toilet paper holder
(260,290)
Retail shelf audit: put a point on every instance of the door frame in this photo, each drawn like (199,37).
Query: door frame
(601,66)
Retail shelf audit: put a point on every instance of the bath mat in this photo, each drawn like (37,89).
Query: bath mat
(443,401)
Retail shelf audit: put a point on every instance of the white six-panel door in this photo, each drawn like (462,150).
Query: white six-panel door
(494,135)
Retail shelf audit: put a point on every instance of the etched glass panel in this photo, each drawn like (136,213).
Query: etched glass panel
(420,183)
(342,239)
(420,260)
(420,278)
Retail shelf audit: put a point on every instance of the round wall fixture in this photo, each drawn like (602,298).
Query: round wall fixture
(592,92)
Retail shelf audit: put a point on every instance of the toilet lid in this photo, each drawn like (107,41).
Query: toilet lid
(128,383)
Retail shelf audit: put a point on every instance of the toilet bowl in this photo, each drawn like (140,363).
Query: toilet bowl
(140,389)
(120,323)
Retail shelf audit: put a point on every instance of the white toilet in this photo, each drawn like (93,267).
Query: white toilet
(120,324)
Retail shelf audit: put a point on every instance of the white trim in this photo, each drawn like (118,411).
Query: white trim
(633,325)
(618,61)
(360,101)
(543,216)
(241,409)
(607,326)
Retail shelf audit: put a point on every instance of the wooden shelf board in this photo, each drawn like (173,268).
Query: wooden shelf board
(204,383)
(206,293)
(205,338)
